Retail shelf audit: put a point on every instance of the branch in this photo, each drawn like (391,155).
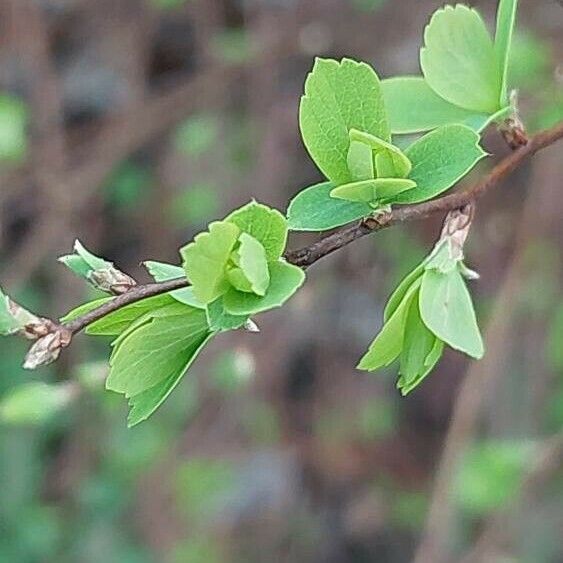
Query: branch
(310,254)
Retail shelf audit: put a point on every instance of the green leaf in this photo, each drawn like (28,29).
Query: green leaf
(360,161)
(84,308)
(447,310)
(429,364)
(373,191)
(285,280)
(253,263)
(313,209)
(118,321)
(440,159)
(157,351)
(398,295)
(400,162)
(145,404)
(388,344)
(459,61)
(506,19)
(205,260)
(418,343)
(340,96)
(161,272)
(219,320)
(268,226)
(413,107)
(33,403)
(83,261)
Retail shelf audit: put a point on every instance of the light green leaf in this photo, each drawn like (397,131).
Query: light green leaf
(506,19)
(459,61)
(145,404)
(418,343)
(413,107)
(253,264)
(118,321)
(440,159)
(268,226)
(388,344)
(157,351)
(373,191)
(219,320)
(285,280)
(84,308)
(205,260)
(83,262)
(429,363)
(401,164)
(447,310)
(340,96)
(33,403)
(360,161)
(313,209)
(398,295)
(161,272)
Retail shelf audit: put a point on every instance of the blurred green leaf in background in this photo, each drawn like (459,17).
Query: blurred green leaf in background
(13,123)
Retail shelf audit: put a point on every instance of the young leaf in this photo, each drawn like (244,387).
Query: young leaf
(417,345)
(340,96)
(506,18)
(313,209)
(447,310)
(118,321)
(205,260)
(161,272)
(268,226)
(253,264)
(413,107)
(219,320)
(431,360)
(158,350)
(398,295)
(83,261)
(459,61)
(401,164)
(360,161)
(285,280)
(373,191)
(145,404)
(440,159)
(389,342)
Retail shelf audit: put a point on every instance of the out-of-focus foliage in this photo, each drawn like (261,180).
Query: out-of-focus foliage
(13,133)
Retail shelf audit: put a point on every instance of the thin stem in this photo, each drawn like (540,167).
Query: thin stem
(311,253)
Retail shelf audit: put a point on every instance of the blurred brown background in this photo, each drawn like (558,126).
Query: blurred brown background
(130,124)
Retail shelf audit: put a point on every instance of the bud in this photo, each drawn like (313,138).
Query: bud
(111,280)
(15,319)
(102,274)
(251,326)
(47,349)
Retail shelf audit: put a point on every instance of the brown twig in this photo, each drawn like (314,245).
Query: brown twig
(310,254)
